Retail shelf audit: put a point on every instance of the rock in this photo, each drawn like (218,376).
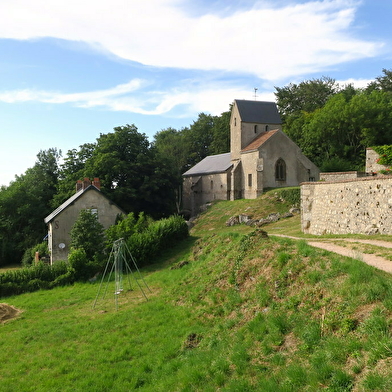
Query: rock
(233,221)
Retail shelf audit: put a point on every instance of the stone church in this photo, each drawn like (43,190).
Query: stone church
(261,156)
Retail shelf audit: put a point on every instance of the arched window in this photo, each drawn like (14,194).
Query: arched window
(280,170)
(212,185)
(266,128)
(255,128)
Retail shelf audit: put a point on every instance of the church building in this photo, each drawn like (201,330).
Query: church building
(261,156)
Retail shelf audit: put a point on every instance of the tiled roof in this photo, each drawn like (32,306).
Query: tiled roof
(210,165)
(260,112)
(261,139)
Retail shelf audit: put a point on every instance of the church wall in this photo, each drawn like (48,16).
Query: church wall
(209,187)
(252,175)
(360,206)
(298,167)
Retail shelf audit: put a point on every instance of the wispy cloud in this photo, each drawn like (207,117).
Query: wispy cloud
(269,41)
(131,97)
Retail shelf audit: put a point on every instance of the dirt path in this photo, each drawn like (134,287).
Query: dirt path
(368,258)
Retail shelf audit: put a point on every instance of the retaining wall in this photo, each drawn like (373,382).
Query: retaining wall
(360,206)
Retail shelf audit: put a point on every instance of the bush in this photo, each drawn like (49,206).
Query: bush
(81,266)
(29,254)
(290,195)
(154,238)
(36,277)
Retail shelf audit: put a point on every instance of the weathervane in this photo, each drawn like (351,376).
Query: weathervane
(255,92)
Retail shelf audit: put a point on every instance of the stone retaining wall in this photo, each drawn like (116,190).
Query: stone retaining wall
(360,206)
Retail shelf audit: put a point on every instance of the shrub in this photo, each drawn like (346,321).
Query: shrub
(87,233)
(290,195)
(29,254)
(158,236)
(36,277)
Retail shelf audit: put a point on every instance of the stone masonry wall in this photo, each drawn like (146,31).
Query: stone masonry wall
(339,176)
(361,206)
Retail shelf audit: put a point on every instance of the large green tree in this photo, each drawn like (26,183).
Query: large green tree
(24,204)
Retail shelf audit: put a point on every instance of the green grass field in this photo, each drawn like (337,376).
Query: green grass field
(229,310)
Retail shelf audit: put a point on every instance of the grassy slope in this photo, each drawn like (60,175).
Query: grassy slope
(245,313)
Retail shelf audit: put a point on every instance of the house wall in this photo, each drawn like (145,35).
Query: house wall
(360,206)
(199,190)
(60,227)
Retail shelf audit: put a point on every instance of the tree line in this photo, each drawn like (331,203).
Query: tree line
(332,124)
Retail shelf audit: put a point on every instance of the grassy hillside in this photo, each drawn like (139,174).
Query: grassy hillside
(229,310)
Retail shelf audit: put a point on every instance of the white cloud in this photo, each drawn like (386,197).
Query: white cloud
(267,41)
(131,97)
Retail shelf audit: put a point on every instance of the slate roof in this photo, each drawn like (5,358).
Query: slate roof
(211,165)
(260,112)
(260,140)
(71,200)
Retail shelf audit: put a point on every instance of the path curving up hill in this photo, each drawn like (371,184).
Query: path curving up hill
(368,258)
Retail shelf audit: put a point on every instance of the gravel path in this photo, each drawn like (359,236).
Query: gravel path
(371,259)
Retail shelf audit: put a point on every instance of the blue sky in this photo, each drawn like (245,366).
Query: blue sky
(70,70)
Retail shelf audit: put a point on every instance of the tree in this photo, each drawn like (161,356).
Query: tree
(307,96)
(24,204)
(87,233)
(221,134)
(341,131)
(132,173)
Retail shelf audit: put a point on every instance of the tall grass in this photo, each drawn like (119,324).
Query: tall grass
(229,312)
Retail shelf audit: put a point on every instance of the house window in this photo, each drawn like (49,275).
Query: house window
(249,180)
(280,170)
(212,185)
(266,128)
(255,128)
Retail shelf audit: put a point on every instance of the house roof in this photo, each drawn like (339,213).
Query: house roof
(259,141)
(210,165)
(260,112)
(70,201)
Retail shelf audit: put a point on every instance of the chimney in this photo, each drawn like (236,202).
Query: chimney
(97,183)
(79,185)
(86,183)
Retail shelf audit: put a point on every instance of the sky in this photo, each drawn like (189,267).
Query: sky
(72,70)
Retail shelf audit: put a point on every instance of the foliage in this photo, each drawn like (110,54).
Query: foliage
(84,268)
(24,205)
(33,278)
(29,254)
(126,226)
(306,96)
(146,241)
(343,128)
(385,153)
(290,195)
(87,234)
